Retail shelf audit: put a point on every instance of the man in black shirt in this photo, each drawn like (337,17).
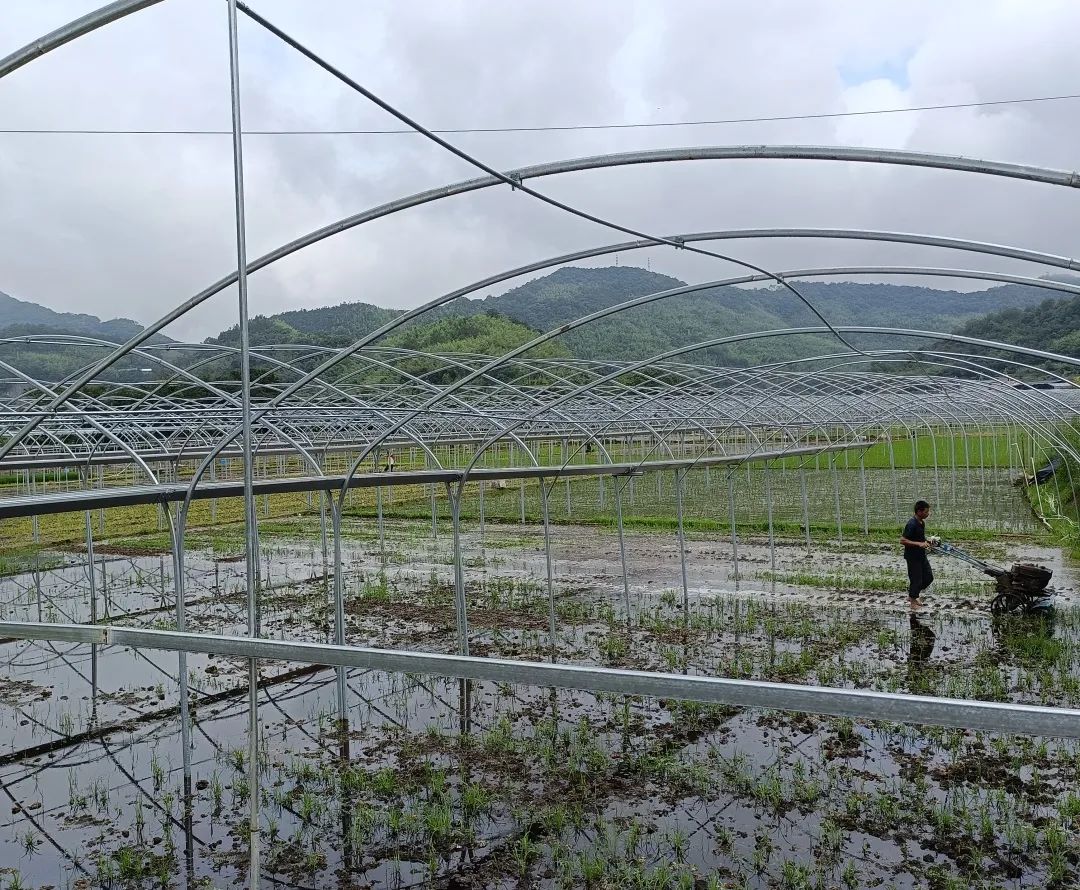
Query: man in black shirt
(913,538)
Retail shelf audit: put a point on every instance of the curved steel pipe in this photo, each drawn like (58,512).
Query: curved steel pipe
(905,158)
(71,31)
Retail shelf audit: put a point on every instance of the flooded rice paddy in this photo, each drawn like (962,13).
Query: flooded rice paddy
(445,783)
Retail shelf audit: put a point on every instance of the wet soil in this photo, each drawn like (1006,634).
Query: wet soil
(440,783)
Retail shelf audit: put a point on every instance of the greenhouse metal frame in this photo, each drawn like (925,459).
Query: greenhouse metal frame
(303,419)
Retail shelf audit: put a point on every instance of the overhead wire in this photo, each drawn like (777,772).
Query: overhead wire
(516,183)
(544,128)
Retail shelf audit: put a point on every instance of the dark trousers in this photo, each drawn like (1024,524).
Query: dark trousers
(920,575)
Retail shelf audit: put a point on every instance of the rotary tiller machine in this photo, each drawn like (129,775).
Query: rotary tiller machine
(1020,589)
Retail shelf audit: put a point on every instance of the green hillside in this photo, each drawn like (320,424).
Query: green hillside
(1053,326)
(51,362)
(341,324)
(19,317)
(481,334)
(567,294)
(487,335)
(504,320)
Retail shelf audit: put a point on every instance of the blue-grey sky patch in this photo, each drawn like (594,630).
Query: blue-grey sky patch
(895,69)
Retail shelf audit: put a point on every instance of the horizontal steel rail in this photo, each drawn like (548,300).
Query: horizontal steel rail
(164,493)
(861,704)
(114,458)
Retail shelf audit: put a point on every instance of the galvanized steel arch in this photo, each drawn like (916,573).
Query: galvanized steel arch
(904,158)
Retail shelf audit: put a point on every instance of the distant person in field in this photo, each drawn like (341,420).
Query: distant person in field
(390,458)
(920,575)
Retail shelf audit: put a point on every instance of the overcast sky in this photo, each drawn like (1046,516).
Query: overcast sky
(130,225)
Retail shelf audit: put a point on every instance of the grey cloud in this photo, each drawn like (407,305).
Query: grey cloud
(132,225)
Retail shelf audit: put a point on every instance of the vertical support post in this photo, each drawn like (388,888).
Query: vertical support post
(101,511)
(1016,466)
(453,491)
(836,497)
(1011,449)
(35,523)
(915,491)
(805,506)
(952,456)
(481,496)
(339,601)
(682,548)
(324,496)
(434,510)
(967,464)
(105,589)
(245,398)
(769,513)
(465,707)
(178,525)
(213,501)
(379,522)
(862,487)
(339,573)
(347,804)
(937,477)
(90,572)
(982,459)
(93,599)
(622,550)
(734,535)
(562,460)
(552,641)
(895,481)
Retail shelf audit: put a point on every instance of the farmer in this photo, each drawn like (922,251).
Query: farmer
(390,459)
(913,538)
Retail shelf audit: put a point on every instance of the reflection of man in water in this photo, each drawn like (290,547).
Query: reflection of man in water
(921,648)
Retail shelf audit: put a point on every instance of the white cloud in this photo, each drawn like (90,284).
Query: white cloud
(893,130)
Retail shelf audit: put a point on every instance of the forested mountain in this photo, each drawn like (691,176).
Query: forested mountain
(502,321)
(571,292)
(19,317)
(482,334)
(567,294)
(48,361)
(347,322)
(1052,326)
(487,335)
